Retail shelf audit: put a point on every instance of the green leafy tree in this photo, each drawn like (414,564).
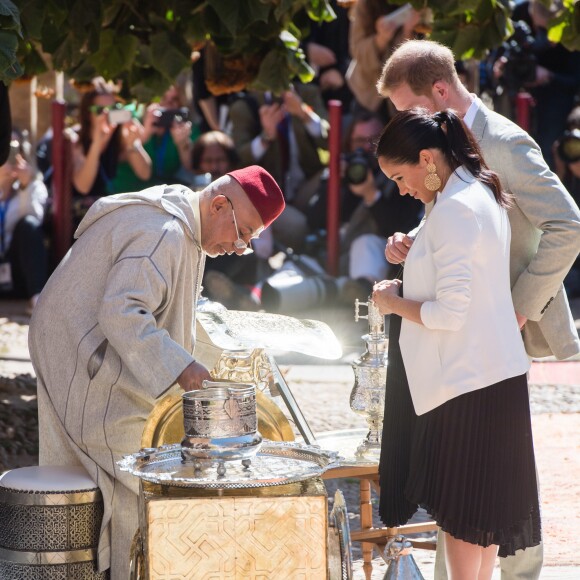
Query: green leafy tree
(256,43)
(472,27)
(10,35)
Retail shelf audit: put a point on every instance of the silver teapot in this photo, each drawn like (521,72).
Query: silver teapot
(221,424)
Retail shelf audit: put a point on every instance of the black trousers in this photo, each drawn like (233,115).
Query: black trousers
(28,258)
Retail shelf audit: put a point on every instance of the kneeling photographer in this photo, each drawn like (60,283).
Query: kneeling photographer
(371,210)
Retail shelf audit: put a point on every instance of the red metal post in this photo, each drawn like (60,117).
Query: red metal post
(61,190)
(333,191)
(524,104)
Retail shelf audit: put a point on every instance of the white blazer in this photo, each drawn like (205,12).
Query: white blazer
(458,267)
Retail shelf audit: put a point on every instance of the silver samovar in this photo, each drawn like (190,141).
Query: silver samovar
(367,397)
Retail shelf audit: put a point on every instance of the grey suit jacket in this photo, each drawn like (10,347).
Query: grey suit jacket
(545,224)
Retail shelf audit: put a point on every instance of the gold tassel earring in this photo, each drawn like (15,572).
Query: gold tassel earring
(432,180)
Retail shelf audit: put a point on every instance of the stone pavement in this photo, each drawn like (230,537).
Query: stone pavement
(325,386)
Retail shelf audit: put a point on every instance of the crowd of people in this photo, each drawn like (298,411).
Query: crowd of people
(486,244)
(121,147)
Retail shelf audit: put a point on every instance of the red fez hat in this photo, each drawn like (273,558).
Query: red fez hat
(262,191)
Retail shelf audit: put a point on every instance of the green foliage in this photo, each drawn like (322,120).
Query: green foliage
(469,27)
(10,33)
(146,43)
(566,27)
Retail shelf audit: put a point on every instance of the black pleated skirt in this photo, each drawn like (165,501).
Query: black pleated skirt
(469,462)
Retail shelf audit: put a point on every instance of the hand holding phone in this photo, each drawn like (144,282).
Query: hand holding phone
(118,116)
(399,16)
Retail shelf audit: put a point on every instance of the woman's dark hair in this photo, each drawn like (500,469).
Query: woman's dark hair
(409,132)
(218,138)
(110,156)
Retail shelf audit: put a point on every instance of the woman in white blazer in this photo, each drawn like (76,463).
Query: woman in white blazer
(460,422)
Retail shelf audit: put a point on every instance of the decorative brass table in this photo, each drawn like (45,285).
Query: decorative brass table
(345,442)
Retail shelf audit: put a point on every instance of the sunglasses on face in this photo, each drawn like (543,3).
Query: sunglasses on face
(98,109)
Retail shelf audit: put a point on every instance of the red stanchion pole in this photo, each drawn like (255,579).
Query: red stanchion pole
(61,192)
(524,104)
(333,191)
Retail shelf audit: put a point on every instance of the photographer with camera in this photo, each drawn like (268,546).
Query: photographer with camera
(284,134)
(371,209)
(107,136)
(548,70)
(23,195)
(167,138)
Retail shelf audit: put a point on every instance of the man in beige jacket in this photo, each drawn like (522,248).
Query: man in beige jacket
(544,219)
(112,331)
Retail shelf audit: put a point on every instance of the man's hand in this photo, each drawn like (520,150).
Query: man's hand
(521,320)
(193,376)
(270,116)
(367,190)
(398,246)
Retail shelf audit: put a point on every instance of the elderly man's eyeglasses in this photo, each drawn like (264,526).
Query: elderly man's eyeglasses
(239,244)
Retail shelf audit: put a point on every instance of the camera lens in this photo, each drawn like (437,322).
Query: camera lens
(569,148)
(358,167)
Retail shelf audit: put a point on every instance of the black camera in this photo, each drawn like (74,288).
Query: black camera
(358,164)
(569,146)
(519,50)
(165,117)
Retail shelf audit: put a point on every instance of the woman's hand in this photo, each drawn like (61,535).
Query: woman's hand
(134,152)
(383,293)
(102,131)
(397,248)
(132,134)
(385,30)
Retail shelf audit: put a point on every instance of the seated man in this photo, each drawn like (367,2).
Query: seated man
(112,330)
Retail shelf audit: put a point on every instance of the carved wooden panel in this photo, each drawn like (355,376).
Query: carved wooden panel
(245,538)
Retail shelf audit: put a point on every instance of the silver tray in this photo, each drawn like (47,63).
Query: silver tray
(275,464)
(344,443)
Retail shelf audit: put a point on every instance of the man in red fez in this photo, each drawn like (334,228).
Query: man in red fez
(112,330)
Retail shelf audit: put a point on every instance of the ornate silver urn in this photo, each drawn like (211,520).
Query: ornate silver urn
(370,375)
(220,423)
